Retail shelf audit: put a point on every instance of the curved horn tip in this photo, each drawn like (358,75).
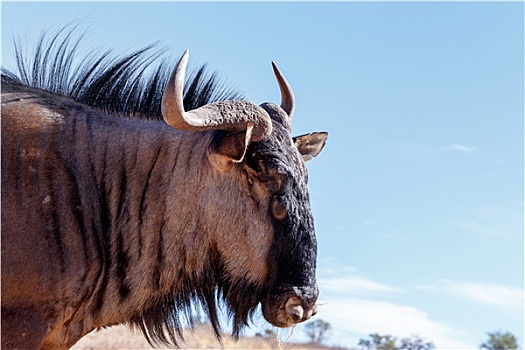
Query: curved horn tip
(183,61)
(287,95)
(276,69)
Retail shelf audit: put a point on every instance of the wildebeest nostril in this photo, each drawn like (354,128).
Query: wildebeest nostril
(294,309)
(298,310)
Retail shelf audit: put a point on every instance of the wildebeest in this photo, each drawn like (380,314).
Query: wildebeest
(110,216)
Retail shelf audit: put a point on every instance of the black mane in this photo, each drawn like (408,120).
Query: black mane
(128,85)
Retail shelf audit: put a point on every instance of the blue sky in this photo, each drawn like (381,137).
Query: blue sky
(418,195)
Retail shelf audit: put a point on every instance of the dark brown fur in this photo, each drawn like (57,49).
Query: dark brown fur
(108,220)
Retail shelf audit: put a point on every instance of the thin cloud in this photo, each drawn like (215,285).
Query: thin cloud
(352,317)
(338,279)
(495,222)
(330,267)
(507,299)
(369,222)
(456,147)
(355,285)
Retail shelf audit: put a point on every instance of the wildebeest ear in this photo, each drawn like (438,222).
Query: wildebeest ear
(232,147)
(310,145)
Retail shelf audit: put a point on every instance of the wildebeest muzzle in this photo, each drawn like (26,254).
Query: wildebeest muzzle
(288,307)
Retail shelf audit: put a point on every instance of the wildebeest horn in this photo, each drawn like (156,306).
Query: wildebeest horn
(287,96)
(224,115)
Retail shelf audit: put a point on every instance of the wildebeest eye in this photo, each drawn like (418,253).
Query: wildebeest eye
(278,210)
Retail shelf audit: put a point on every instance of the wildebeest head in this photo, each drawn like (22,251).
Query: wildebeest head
(271,257)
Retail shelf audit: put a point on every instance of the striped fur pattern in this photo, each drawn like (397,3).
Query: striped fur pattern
(111,216)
